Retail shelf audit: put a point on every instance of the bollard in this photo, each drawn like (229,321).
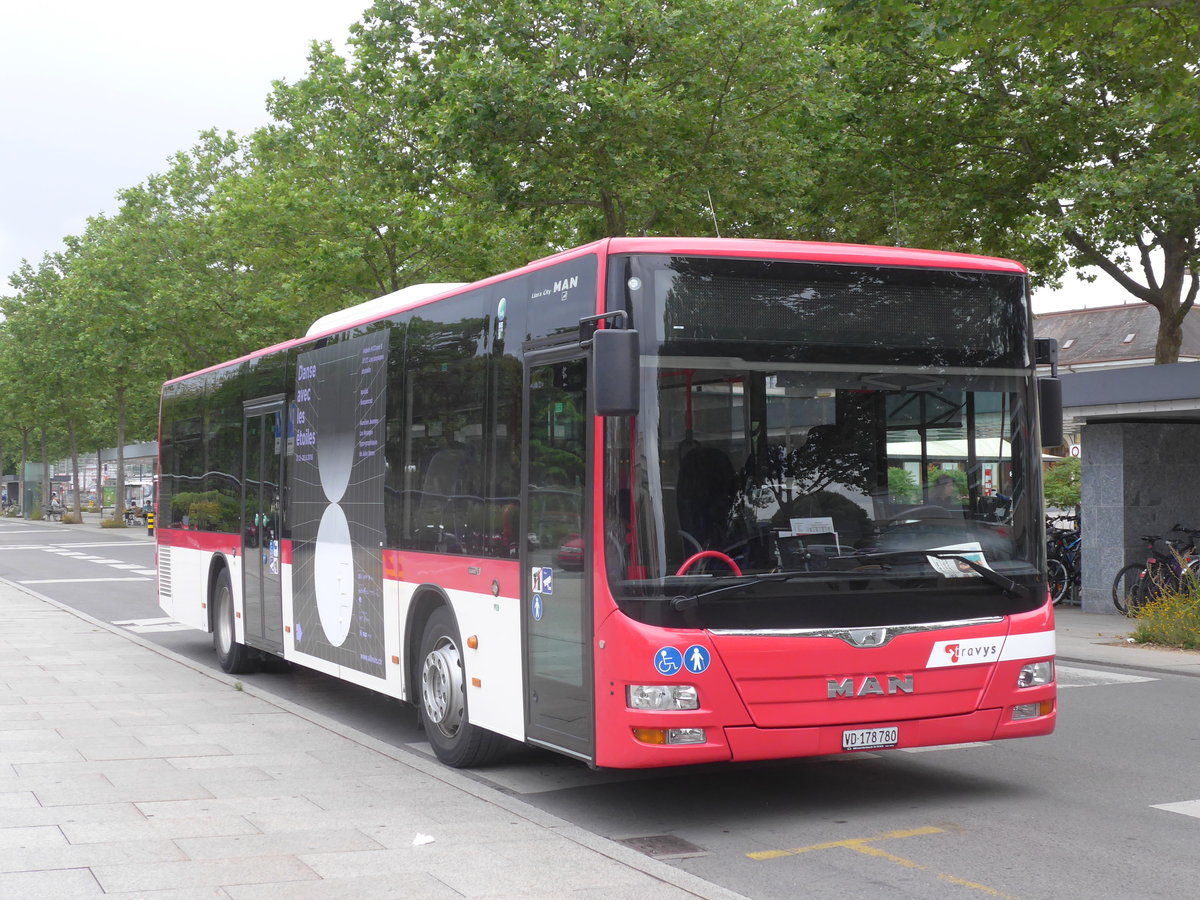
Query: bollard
(150,524)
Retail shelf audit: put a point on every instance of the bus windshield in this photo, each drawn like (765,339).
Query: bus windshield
(807,456)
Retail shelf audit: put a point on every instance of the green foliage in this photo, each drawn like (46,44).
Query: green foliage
(902,486)
(1173,618)
(1061,484)
(206,510)
(933,473)
(461,139)
(1059,133)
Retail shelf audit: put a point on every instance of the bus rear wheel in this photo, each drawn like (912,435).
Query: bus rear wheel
(234,658)
(443,704)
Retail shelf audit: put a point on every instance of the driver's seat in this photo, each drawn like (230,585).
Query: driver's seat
(704,496)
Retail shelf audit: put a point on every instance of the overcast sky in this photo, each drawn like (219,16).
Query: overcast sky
(95,95)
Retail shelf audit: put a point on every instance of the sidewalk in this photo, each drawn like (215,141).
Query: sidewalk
(123,768)
(1104,640)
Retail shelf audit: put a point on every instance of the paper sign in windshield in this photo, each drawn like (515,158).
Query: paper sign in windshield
(958,568)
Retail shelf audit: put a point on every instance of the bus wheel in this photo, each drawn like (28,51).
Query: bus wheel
(233,657)
(455,741)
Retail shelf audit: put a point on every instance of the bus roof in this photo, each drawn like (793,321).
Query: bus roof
(798,251)
(815,251)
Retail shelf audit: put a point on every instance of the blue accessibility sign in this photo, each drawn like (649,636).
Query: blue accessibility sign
(696,658)
(537,607)
(668,660)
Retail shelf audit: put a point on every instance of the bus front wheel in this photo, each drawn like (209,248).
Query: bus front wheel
(233,657)
(443,704)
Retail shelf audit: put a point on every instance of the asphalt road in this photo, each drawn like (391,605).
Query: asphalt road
(1108,806)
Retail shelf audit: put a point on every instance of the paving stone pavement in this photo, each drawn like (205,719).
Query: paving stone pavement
(126,770)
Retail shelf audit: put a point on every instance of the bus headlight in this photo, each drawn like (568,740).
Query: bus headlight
(1035,673)
(662,696)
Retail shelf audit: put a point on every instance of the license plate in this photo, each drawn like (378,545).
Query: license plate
(870,738)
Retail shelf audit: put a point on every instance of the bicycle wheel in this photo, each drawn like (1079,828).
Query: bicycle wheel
(1126,587)
(1158,579)
(1058,580)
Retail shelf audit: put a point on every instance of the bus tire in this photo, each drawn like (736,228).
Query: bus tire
(233,657)
(443,704)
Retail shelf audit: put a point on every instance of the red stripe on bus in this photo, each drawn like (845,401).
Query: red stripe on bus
(212,542)
(458,573)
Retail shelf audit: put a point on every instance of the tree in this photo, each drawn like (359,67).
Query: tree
(1062,134)
(37,339)
(1062,484)
(607,118)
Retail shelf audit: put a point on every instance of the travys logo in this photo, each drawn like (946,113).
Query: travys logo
(965,652)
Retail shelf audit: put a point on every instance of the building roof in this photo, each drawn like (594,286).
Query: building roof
(1112,336)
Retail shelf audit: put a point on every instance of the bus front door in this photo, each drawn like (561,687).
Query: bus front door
(556,595)
(262,584)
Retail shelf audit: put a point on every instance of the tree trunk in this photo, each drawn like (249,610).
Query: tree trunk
(1173,295)
(45,470)
(21,474)
(119,511)
(1170,338)
(75,471)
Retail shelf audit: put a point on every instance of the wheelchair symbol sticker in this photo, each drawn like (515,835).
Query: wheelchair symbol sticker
(696,658)
(668,660)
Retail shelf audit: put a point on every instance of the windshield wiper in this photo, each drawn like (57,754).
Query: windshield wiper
(685,602)
(1006,584)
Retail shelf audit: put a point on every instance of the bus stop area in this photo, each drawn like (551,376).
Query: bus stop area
(130,769)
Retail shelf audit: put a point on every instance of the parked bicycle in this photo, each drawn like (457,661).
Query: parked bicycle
(1167,563)
(1064,573)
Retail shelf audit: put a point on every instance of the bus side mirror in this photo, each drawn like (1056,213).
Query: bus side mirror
(1051,408)
(616,374)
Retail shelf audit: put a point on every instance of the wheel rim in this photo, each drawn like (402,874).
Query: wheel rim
(224,623)
(441,687)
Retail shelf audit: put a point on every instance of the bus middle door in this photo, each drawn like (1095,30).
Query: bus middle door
(556,622)
(262,585)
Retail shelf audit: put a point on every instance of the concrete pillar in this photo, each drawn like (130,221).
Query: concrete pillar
(1137,478)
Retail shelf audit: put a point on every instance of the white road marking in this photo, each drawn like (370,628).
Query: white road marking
(1070,677)
(79,580)
(1186,807)
(145,626)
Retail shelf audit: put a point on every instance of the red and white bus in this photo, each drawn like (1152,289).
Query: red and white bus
(647,502)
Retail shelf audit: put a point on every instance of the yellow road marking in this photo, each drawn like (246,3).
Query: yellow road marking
(866,846)
(858,844)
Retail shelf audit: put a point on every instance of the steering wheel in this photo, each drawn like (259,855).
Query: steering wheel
(708,554)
